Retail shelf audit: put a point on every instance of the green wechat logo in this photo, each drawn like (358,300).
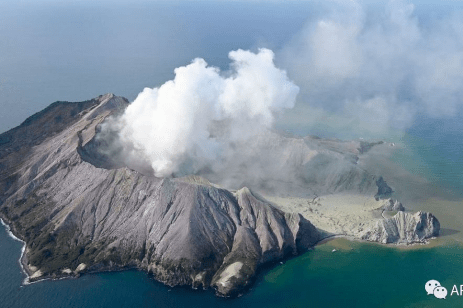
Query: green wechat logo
(434,287)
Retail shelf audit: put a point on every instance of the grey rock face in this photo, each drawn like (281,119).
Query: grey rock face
(80,209)
(384,191)
(391,205)
(298,167)
(76,215)
(403,228)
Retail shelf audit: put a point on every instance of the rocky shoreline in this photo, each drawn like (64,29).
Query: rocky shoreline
(79,211)
(99,268)
(114,268)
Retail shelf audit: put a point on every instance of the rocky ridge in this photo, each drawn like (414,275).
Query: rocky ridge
(78,211)
(75,217)
(402,228)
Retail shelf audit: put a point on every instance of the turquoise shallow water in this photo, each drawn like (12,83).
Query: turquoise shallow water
(355,275)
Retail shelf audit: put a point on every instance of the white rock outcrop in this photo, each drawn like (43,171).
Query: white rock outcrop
(403,228)
(391,205)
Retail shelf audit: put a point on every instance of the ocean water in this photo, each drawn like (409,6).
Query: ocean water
(74,51)
(355,275)
(436,147)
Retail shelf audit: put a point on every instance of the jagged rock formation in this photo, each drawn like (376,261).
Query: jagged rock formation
(81,208)
(366,146)
(264,235)
(391,205)
(77,214)
(403,228)
(384,191)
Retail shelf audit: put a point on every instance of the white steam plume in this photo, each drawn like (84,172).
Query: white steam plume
(371,70)
(188,123)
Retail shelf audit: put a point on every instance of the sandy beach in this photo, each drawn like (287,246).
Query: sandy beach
(336,214)
(345,215)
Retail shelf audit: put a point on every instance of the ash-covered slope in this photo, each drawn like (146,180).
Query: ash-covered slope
(77,214)
(81,206)
(290,166)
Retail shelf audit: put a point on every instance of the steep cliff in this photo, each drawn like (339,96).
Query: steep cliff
(77,215)
(403,228)
(80,207)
